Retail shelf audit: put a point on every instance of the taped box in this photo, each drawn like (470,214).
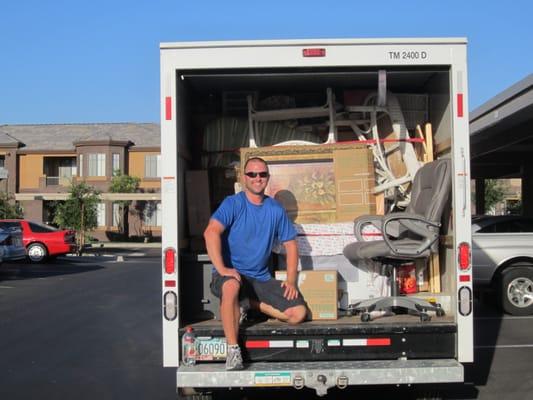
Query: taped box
(319,289)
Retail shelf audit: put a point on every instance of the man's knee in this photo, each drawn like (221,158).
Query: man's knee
(230,288)
(296,314)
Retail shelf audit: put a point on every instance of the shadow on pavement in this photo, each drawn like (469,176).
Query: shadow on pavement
(487,325)
(21,270)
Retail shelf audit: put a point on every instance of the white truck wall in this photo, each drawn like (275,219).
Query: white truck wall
(448,117)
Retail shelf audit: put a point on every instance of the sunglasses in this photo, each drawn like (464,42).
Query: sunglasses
(262,174)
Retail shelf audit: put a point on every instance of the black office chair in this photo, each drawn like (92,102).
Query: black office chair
(407,236)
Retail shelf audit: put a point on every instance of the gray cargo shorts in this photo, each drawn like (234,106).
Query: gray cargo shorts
(269,292)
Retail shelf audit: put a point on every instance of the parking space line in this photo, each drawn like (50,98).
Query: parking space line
(505,317)
(505,346)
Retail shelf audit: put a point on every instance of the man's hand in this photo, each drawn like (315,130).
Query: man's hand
(232,272)
(291,292)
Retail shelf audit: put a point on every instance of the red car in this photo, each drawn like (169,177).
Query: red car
(42,241)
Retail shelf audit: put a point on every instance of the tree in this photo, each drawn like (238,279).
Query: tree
(8,207)
(494,193)
(79,211)
(121,183)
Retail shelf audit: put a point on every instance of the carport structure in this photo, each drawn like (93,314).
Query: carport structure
(501,139)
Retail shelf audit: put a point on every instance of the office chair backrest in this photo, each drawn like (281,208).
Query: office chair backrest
(431,190)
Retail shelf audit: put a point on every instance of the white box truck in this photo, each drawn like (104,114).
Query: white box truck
(206,84)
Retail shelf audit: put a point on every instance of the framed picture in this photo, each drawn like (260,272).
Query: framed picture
(319,184)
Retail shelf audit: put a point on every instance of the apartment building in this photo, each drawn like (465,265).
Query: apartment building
(39,162)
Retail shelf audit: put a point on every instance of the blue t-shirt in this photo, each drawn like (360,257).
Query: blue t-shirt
(250,233)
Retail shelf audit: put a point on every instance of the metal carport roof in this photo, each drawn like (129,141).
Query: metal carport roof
(501,133)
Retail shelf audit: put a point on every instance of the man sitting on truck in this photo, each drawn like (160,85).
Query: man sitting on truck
(239,239)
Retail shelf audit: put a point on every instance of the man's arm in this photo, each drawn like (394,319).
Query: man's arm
(213,242)
(291,249)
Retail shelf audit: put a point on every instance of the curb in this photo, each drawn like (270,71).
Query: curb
(115,245)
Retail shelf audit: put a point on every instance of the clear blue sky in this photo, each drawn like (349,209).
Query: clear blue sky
(76,61)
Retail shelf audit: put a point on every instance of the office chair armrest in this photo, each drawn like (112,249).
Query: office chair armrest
(362,221)
(413,223)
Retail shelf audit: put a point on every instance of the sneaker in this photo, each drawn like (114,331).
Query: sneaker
(244,315)
(234,358)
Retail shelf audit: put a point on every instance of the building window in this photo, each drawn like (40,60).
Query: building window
(81,165)
(152,213)
(97,164)
(100,214)
(116,163)
(67,168)
(152,166)
(116,214)
(2,161)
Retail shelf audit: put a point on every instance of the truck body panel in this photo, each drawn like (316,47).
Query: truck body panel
(195,79)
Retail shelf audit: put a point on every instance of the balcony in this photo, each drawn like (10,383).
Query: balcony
(57,181)
(58,174)
(49,184)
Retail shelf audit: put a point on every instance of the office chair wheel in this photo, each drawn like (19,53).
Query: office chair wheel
(440,312)
(365,317)
(424,317)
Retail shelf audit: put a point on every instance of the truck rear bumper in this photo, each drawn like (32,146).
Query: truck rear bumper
(322,375)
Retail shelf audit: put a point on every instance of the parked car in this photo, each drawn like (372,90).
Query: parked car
(502,259)
(11,244)
(42,241)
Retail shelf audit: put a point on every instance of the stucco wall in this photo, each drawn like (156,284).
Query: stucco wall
(136,168)
(31,168)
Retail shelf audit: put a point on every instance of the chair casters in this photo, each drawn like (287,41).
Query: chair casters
(424,317)
(365,317)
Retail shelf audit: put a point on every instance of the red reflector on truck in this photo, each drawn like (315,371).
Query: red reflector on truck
(464,256)
(170,283)
(269,344)
(460,105)
(464,278)
(170,260)
(378,342)
(366,342)
(314,52)
(168,108)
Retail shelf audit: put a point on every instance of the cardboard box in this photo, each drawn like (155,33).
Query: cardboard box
(198,204)
(319,289)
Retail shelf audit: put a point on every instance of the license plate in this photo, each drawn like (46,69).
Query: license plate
(210,349)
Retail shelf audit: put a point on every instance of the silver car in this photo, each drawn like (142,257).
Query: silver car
(502,258)
(12,247)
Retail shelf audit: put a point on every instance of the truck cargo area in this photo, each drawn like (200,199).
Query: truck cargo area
(209,97)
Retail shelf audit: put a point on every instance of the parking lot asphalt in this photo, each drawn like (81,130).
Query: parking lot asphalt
(90,328)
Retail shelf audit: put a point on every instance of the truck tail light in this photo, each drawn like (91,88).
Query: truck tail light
(170,260)
(315,52)
(170,305)
(465,301)
(464,256)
